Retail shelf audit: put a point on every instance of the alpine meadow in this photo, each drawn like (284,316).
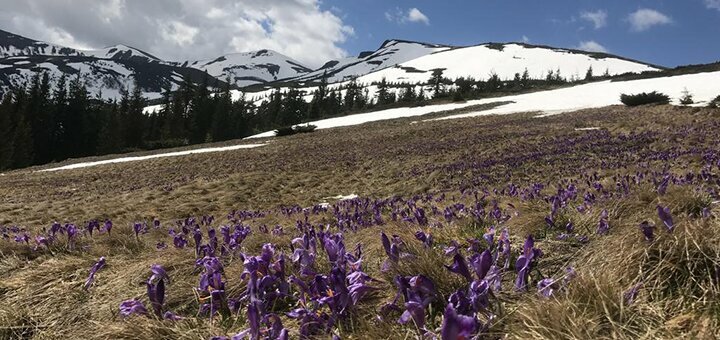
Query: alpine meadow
(249,171)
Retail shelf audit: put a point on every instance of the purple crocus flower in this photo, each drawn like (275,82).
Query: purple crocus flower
(414,311)
(179,241)
(665,217)
(631,293)
(425,238)
(137,228)
(156,288)
(130,307)
(72,233)
(457,327)
(481,263)
(108,226)
(524,263)
(42,241)
(603,225)
(647,230)
(459,266)
(390,248)
(172,316)
(546,287)
(94,269)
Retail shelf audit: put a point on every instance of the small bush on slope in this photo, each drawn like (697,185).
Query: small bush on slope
(644,98)
(715,103)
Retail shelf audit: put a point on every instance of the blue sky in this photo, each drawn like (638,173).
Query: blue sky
(664,32)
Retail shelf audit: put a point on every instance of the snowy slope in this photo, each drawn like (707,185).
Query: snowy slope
(704,87)
(505,60)
(391,53)
(103,76)
(251,68)
(162,155)
(14,45)
(121,52)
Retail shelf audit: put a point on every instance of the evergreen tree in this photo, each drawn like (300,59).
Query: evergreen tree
(135,119)
(437,81)
(6,132)
(589,74)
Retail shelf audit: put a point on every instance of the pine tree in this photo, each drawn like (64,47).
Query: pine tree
(6,131)
(589,74)
(22,144)
(437,80)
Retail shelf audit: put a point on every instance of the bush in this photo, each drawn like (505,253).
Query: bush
(289,130)
(715,103)
(307,128)
(686,98)
(285,131)
(644,98)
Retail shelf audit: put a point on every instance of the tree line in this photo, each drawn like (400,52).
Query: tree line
(41,123)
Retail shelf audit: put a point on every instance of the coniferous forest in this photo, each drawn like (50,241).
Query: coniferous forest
(47,121)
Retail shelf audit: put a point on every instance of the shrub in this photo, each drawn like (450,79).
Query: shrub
(644,98)
(290,130)
(307,128)
(285,131)
(686,98)
(715,103)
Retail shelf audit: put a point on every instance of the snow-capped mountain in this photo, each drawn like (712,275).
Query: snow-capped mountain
(245,69)
(121,52)
(107,70)
(391,53)
(505,60)
(13,45)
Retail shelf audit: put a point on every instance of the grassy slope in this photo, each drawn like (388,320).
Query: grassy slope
(42,295)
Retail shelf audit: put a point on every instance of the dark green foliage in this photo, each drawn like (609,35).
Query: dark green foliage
(687,98)
(645,98)
(290,130)
(457,96)
(715,103)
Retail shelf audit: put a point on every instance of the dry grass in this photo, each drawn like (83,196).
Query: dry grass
(43,299)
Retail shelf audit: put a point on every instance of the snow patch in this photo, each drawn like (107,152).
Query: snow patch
(703,86)
(142,158)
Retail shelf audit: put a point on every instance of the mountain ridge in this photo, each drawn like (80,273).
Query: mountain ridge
(116,66)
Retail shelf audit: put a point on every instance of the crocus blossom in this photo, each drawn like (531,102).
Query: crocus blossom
(93,270)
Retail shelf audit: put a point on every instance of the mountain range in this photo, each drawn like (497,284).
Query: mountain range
(107,70)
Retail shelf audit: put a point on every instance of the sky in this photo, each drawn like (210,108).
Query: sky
(662,32)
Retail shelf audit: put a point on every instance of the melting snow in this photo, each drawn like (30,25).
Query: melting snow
(142,158)
(703,86)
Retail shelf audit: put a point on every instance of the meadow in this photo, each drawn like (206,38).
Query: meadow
(595,224)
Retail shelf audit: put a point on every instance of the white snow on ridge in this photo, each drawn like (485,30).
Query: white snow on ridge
(703,86)
(390,54)
(142,158)
(480,61)
(251,67)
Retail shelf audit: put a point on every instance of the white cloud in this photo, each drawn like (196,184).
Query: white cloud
(592,46)
(713,4)
(525,39)
(185,29)
(414,15)
(597,18)
(411,15)
(644,19)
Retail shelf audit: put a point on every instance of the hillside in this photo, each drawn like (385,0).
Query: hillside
(446,194)
(245,69)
